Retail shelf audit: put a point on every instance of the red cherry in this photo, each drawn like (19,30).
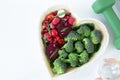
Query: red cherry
(56,39)
(71,20)
(66,24)
(44,24)
(67,17)
(56,21)
(44,31)
(54,32)
(55,13)
(52,26)
(50,17)
(61,41)
(68,14)
(48,37)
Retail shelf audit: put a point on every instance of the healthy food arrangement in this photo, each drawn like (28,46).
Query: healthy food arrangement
(67,45)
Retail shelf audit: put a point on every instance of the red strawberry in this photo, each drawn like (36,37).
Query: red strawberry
(44,24)
(56,21)
(55,13)
(48,37)
(54,32)
(71,20)
(61,42)
(44,31)
(50,17)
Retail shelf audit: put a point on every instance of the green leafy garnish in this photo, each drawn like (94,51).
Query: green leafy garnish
(44,40)
(60,14)
(54,52)
(48,28)
(63,30)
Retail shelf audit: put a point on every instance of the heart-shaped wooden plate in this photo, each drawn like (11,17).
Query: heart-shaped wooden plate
(98,25)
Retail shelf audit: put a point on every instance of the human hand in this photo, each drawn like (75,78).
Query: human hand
(110,60)
(102,79)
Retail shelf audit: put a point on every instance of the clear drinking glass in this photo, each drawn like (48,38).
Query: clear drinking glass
(109,71)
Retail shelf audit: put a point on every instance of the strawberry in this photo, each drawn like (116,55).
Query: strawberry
(71,20)
(50,17)
(48,37)
(44,24)
(56,21)
(54,32)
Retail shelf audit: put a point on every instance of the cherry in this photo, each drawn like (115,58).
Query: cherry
(44,24)
(55,13)
(50,48)
(61,41)
(48,37)
(68,14)
(44,31)
(50,17)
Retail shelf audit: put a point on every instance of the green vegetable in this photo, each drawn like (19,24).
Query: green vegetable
(79,46)
(59,66)
(96,36)
(73,35)
(90,25)
(97,46)
(62,53)
(83,57)
(89,46)
(53,53)
(84,30)
(68,46)
(64,29)
(44,40)
(73,59)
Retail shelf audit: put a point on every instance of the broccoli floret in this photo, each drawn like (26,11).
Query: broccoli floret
(90,25)
(89,46)
(84,30)
(79,46)
(59,66)
(68,46)
(62,53)
(83,57)
(72,36)
(96,36)
(73,59)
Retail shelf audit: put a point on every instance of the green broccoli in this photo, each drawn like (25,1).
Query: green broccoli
(72,36)
(84,30)
(79,46)
(73,59)
(96,36)
(90,25)
(83,57)
(59,66)
(89,46)
(68,46)
(62,53)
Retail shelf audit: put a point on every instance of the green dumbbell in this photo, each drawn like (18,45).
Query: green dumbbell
(105,7)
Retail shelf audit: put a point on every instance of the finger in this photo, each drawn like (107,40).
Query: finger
(99,79)
(112,60)
(118,78)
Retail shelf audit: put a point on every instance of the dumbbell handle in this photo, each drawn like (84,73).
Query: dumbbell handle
(113,21)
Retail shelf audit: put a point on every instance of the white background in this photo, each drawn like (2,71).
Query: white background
(20,52)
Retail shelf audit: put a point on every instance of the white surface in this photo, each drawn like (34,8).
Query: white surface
(20,55)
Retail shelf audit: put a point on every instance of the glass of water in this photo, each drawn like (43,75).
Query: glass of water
(109,71)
